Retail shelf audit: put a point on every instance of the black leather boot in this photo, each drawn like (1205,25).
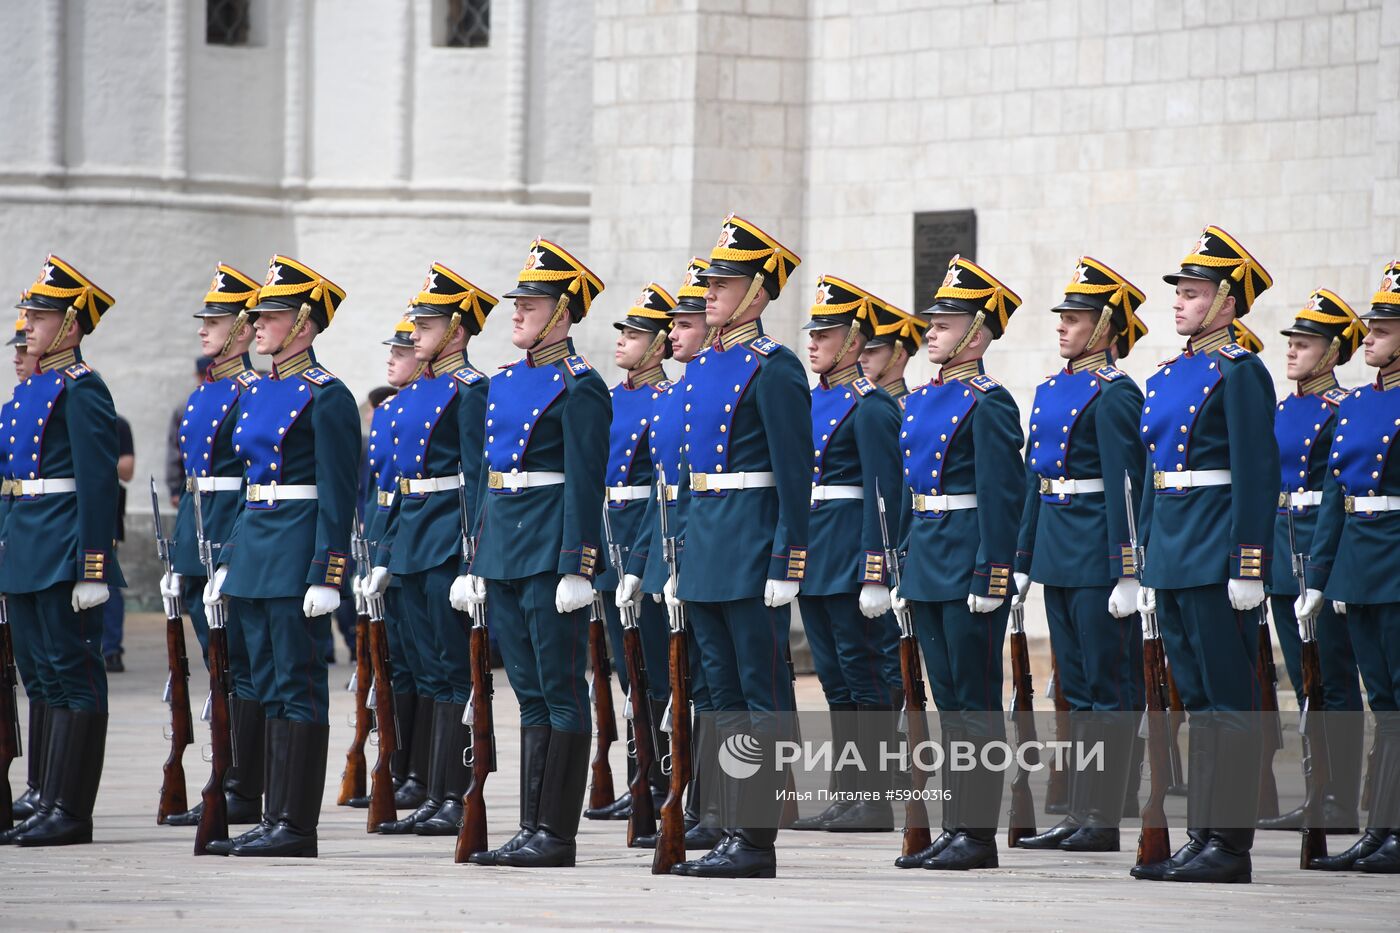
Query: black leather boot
(1369,843)
(25,804)
(1105,787)
(948,781)
(1199,764)
(243,784)
(1334,818)
(1079,788)
(1234,800)
(417,746)
(561,805)
(439,741)
(749,851)
(840,782)
(749,854)
(1224,860)
(1346,737)
(534,749)
(42,804)
(974,845)
(723,792)
(1384,861)
(875,727)
(1385,808)
(274,742)
(75,771)
(300,770)
(456,738)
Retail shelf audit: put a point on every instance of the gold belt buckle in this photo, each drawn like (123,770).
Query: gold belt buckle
(403,485)
(1349,504)
(1159,479)
(1045,486)
(919,502)
(1282,499)
(700,482)
(254,493)
(495,480)
(190,484)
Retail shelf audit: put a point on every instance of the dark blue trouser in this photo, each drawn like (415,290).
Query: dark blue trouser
(545,653)
(743,651)
(1375,633)
(1341,690)
(1098,658)
(27,642)
(1213,650)
(852,654)
(240,674)
(439,633)
(113,621)
(64,646)
(403,651)
(962,650)
(655,630)
(286,652)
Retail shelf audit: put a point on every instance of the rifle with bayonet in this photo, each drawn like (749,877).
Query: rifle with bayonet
(380,701)
(916,835)
(642,819)
(472,837)
(600,791)
(352,779)
(1312,724)
(1021,816)
(1154,842)
(670,840)
(10,732)
(213,817)
(177,685)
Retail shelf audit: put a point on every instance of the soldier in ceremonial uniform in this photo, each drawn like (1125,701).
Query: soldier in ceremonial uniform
(961,445)
(746,497)
(1074,542)
(284,567)
(539,546)
(898,336)
(642,344)
(1207,523)
(845,592)
(647,571)
(1355,564)
(24,643)
(412,709)
(58,561)
(214,472)
(437,431)
(1323,335)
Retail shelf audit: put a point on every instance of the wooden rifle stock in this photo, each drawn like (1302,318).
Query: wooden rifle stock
(1154,841)
(600,791)
(172,785)
(916,836)
(213,819)
(9,725)
(472,837)
(1317,763)
(1273,729)
(642,821)
(352,779)
(1021,816)
(381,793)
(670,841)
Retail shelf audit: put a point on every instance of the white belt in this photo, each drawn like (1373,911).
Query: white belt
(42,487)
(923,503)
(1372,503)
(275,492)
(823,493)
(215,483)
(517,481)
(432,484)
(1186,479)
(1298,500)
(713,482)
(627,493)
(1069,487)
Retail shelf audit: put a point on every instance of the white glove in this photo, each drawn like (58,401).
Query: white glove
(214,589)
(898,603)
(1339,607)
(778,593)
(573,593)
(467,593)
(1023,586)
(1146,600)
(378,582)
(1123,601)
(977,603)
(170,585)
(1245,594)
(1308,605)
(87,595)
(668,592)
(628,591)
(874,600)
(319,601)
(357,589)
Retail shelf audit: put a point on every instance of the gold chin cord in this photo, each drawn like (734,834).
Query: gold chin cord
(967,338)
(69,317)
(1100,328)
(453,324)
(656,352)
(302,315)
(240,324)
(560,307)
(1222,291)
(743,306)
(1328,360)
(889,364)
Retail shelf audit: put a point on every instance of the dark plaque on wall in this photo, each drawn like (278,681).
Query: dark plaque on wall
(938,236)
